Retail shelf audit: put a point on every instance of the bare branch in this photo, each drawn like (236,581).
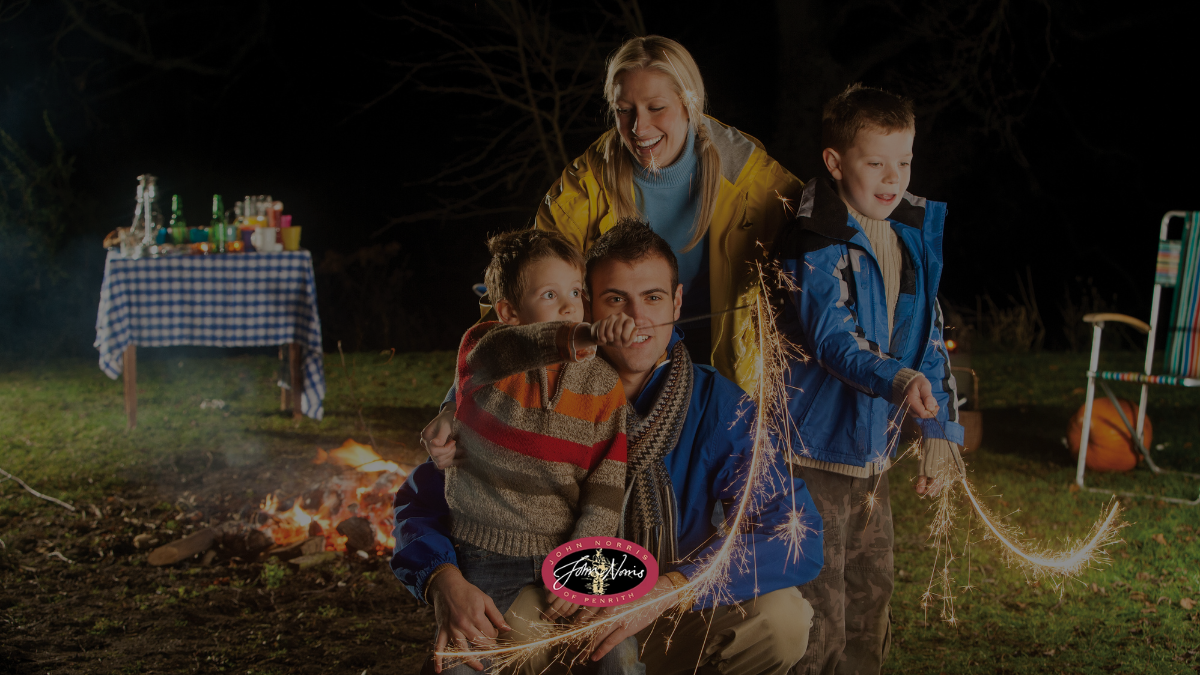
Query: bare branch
(35,493)
(537,79)
(145,58)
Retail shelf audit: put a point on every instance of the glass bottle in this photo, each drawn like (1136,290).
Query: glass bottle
(147,219)
(216,227)
(179,228)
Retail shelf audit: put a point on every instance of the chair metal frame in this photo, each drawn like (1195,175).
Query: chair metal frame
(1151,331)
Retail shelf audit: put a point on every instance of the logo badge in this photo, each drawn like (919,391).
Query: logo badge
(600,571)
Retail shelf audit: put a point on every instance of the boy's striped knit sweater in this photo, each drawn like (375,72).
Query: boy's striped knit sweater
(542,467)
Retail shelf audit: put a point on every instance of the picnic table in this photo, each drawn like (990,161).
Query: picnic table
(230,300)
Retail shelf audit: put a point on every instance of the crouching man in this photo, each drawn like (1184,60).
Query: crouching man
(689,446)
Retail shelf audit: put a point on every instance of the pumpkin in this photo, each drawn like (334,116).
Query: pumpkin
(1110,445)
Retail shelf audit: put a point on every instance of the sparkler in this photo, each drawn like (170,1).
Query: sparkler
(699,317)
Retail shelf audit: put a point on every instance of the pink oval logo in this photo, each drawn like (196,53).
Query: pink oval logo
(600,571)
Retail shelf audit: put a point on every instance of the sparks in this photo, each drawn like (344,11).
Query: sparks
(1036,561)
(1085,554)
(788,207)
(655,168)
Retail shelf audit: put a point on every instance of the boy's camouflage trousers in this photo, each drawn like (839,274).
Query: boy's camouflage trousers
(851,629)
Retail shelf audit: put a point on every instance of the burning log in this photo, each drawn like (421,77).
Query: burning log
(169,554)
(360,536)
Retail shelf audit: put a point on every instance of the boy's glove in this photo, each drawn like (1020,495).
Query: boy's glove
(941,464)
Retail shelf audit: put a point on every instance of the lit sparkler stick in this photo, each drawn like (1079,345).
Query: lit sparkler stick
(699,317)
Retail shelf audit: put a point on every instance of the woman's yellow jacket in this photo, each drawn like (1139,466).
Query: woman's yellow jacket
(748,214)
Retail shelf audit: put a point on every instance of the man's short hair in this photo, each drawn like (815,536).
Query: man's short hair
(859,108)
(630,241)
(512,252)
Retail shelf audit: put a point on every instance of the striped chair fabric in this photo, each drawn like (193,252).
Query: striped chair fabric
(1183,340)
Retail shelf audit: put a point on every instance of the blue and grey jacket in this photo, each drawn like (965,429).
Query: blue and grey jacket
(842,401)
(708,466)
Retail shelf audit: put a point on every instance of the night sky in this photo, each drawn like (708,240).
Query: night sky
(1058,152)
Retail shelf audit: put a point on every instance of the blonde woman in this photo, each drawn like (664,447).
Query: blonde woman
(710,190)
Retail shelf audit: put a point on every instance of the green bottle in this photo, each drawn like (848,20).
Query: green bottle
(179,228)
(216,227)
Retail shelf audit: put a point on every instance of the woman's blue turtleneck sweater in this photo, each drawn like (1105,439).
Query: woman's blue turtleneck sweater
(668,202)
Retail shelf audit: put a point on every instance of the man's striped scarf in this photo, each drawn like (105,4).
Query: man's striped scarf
(651,514)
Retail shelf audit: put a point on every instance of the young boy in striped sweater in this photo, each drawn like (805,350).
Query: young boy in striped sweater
(542,420)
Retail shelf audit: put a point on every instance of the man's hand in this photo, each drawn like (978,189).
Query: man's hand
(615,329)
(465,615)
(919,397)
(635,621)
(436,439)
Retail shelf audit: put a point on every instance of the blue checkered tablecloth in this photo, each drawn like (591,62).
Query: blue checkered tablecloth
(233,300)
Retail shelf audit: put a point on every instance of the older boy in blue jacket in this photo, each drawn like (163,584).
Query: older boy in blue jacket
(867,257)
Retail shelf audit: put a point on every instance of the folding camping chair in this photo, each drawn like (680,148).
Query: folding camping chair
(1178,267)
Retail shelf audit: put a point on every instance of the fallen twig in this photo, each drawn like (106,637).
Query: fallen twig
(60,556)
(35,493)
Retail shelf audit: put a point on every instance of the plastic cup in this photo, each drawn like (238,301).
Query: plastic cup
(291,238)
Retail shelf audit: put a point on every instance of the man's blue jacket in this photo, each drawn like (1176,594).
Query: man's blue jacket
(708,466)
(842,396)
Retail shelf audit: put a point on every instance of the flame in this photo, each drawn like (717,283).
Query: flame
(365,492)
(356,456)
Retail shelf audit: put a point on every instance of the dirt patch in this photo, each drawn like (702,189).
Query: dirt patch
(108,611)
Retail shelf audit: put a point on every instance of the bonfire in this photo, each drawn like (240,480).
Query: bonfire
(366,493)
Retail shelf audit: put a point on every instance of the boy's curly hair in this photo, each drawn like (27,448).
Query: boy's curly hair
(630,241)
(513,251)
(860,107)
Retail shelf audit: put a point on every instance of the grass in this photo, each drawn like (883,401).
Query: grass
(1122,618)
(63,431)
(63,426)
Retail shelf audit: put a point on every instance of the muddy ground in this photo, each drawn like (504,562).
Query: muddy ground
(108,611)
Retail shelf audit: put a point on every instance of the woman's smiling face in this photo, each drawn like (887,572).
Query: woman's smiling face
(650,117)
